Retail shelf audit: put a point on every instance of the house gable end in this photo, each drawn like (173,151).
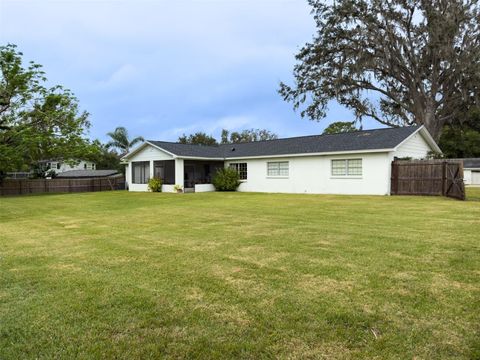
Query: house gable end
(416,146)
(149,152)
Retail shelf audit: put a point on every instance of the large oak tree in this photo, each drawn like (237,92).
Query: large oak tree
(400,62)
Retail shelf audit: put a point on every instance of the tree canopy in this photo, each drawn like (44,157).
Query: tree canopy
(227,137)
(400,62)
(199,138)
(105,158)
(461,140)
(121,141)
(340,127)
(247,135)
(36,122)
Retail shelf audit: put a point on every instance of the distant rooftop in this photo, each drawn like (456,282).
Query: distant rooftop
(87,173)
(471,163)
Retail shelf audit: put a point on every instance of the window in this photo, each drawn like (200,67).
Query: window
(140,172)
(241,169)
(58,166)
(85,166)
(278,168)
(347,167)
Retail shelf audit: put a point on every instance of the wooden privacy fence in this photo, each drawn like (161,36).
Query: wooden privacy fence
(37,186)
(428,177)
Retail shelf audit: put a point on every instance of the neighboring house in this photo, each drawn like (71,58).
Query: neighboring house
(60,166)
(471,171)
(346,163)
(79,174)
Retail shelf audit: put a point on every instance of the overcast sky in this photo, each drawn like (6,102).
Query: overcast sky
(163,68)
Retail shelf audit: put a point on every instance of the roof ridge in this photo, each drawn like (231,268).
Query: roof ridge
(178,143)
(287,138)
(319,135)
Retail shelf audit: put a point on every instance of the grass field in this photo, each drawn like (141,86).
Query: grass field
(215,275)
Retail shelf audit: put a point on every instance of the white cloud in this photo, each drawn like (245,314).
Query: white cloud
(233,123)
(121,76)
(211,127)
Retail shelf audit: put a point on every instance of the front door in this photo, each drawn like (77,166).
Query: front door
(189,176)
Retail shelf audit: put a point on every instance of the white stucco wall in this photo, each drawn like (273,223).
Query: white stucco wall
(467,176)
(168,188)
(475,177)
(471,176)
(312,175)
(204,188)
(415,147)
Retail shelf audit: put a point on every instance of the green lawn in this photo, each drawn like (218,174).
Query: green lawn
(231,275)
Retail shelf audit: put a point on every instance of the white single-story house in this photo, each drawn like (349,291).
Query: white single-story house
(471,171)
(346,163)
(60,166)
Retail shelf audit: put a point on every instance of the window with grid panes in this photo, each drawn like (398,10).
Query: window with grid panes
(347,167)
(277,168)
(241,169)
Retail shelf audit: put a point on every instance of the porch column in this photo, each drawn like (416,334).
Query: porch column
(179,172)
(128,173)
(151,169)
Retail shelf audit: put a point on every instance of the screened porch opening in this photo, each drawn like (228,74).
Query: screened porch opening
(165,170)
(200,172)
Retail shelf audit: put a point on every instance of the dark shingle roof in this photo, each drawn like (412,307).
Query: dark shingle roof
(471,163)
(354,141)
(190,150)
(87,173)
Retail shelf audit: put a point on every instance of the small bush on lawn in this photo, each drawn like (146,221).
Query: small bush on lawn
(155,185)
(226,180)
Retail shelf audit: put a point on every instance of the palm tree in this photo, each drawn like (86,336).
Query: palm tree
(121,141)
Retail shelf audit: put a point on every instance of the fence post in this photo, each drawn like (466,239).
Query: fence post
(393,179)
(462,187)
(444,178)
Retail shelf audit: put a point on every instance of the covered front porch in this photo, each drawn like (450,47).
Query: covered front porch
(192,175)
(198,174)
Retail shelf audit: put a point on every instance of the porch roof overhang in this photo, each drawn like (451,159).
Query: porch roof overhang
(199,158)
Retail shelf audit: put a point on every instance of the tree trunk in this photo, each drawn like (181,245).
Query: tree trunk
(432,124)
